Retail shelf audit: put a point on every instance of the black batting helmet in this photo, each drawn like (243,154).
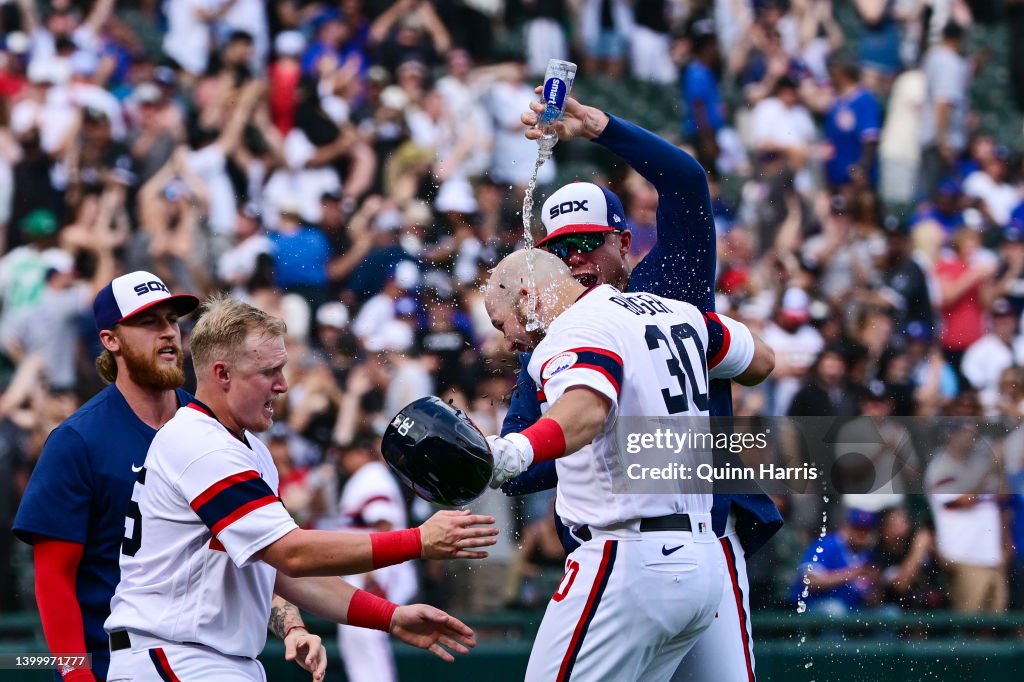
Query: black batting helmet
(437,451)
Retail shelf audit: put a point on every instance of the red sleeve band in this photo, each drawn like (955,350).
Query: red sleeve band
(368,611)
(547,439)
(395,547)
(56,566)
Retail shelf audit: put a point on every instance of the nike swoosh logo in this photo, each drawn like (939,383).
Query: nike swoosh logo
(666,551)
(136,469)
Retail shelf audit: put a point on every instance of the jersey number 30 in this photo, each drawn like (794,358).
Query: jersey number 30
(130,544)
(681,366)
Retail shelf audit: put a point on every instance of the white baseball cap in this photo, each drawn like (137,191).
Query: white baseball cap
(131,294)
(579,208)
(332,314)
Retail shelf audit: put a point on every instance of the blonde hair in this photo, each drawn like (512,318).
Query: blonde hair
(106,365)
(223,328)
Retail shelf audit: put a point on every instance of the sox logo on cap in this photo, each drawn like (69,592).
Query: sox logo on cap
(133,293)
(581,207)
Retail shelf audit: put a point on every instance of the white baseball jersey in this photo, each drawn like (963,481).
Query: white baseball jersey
(205,503)
(371,496)
(650,356)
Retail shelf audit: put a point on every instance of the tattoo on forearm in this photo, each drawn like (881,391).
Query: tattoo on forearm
(282,616)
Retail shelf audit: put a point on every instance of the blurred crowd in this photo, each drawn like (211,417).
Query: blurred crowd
(355,167)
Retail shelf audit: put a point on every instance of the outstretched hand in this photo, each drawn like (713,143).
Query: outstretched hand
(432,629)
(579,120)
(308,651)
(448,535)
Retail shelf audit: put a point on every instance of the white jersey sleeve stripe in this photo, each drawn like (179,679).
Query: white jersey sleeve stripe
(730,346)
(231,498)
(600,360)
(718,336)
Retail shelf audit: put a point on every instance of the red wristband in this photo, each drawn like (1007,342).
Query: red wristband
(79,675)
(547,439)
(367,611)
(395,546)
(289,629)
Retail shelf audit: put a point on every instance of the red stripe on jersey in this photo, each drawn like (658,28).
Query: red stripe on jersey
(726,342)
(216,545)
(200,409)
(163,666)
(607,375)
(593,599)
(730,561)
(221,485)
(943,481)
(541,398)
(242,511)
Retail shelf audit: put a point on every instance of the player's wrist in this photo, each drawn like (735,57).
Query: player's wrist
(78,675)
(524,447)
(369,611)
(395,547)
(546,440)
(294,628)
(595,122)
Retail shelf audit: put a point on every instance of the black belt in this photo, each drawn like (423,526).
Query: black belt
(670,522)
(119,640)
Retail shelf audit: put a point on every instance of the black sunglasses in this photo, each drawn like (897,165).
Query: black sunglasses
(583,243)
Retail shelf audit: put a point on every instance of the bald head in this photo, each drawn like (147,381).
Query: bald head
(508,290)
(510,278)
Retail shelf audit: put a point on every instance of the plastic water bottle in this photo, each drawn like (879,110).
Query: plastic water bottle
(557,84)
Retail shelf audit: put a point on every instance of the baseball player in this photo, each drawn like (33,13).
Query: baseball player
(75,504)
(593,241)
(372,502)
(208,540)
(649,564)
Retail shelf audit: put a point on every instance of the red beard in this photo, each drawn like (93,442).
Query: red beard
(149,371)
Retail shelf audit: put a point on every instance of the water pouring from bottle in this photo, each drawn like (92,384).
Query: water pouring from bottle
(558,82)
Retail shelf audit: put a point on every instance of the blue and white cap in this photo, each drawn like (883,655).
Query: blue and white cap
(134,293)
(581,207)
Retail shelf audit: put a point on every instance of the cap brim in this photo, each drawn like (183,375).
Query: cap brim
(575,229)
(183,305)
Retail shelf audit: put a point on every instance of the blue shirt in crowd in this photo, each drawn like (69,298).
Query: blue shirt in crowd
(852,121)
(300,258)
(701,85)
(835,555)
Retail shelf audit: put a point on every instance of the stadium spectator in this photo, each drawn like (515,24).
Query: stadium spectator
(837,569)
(796,344)
(825,392)
(852,126)
(962,480)
(1002,347)
(943,134)
(905,555)
(705,110)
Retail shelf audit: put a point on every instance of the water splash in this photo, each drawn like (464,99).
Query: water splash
(532,323)
(801,602)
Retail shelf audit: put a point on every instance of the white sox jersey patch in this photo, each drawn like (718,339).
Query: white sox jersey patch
(559,363)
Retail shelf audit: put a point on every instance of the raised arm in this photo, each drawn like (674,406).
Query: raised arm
(445,535)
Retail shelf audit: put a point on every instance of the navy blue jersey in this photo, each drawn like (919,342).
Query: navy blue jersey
(681,265)
(79,492)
